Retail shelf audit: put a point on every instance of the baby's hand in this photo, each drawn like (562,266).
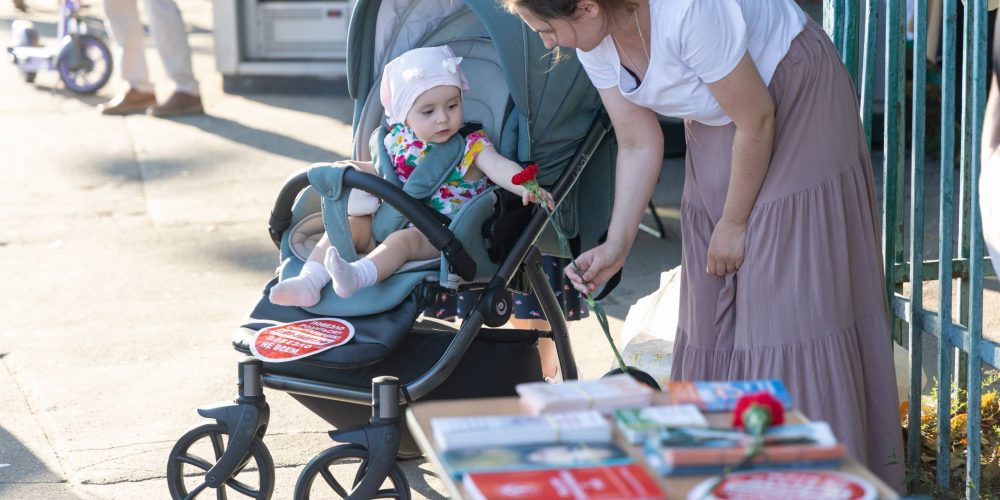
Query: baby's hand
(528,197)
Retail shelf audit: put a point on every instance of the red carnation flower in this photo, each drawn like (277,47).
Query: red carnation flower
(528,174)
(766,400)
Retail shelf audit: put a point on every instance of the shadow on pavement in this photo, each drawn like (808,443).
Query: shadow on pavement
(299,94)
(270,142)
(416,472)
(19,465)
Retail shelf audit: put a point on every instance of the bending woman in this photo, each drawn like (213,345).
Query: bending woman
(781,266)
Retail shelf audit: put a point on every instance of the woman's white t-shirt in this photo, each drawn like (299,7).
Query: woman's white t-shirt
(695,42)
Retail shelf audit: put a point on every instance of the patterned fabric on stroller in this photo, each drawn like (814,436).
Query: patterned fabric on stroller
(533,111)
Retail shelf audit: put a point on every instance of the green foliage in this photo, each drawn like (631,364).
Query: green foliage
(990,444)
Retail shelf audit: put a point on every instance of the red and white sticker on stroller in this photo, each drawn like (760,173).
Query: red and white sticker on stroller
(292,341)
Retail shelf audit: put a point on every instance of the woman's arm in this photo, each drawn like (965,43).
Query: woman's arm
(640,157)
(744,97)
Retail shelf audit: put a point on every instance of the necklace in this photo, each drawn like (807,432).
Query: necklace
(641,39)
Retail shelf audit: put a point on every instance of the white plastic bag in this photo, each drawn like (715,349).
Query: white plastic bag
(647,338)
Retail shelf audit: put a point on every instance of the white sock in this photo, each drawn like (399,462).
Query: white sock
(349,277)
(303,290)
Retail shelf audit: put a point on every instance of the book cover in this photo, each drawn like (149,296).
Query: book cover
(614,482)
(606,394)
(638,424)
(532,456)
(791,485)
(508,430)
(722,396)
(698,450)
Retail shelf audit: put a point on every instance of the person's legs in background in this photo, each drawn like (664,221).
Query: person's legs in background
(123,24)
(546,347)
(167,27)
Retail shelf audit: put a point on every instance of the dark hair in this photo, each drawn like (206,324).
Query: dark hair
(563,9)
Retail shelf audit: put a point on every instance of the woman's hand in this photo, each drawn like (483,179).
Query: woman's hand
(598,265)
(726,249)
(528,197)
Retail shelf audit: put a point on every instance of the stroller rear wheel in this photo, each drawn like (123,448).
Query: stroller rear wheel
(186,468)
(347,454)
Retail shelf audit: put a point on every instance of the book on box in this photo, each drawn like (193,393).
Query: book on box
(613,482)
(508,430)
(722,396)
(694,450)
(532,456)
(638,424)
(604,395)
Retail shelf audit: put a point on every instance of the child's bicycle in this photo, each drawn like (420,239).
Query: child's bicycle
(83,60)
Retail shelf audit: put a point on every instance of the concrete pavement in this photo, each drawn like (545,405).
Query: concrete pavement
(129,249)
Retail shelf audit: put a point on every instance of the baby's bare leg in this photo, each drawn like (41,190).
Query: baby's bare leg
(402,246)
(399,248)
(361,234)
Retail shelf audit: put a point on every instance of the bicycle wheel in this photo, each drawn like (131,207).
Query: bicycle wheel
(85,66)
(345,457)
(186,467)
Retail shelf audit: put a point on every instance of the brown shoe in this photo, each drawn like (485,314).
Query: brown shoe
(20,5)
(128,102)
(179,103)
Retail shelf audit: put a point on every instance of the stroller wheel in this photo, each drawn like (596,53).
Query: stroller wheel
(351,456)
(192,457)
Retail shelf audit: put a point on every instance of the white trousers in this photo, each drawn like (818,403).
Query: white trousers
(167,28)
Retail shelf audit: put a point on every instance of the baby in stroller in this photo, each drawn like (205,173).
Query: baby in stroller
(421,92)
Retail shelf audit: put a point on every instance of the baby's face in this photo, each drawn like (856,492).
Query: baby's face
(436,115)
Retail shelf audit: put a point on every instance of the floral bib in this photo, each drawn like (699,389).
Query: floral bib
(406,151)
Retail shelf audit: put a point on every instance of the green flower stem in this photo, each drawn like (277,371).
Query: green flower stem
(756,420)
(595,306)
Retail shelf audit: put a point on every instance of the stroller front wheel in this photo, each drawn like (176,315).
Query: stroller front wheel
(192,457)
(353,455)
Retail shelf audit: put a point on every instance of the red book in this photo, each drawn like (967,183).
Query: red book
(590,483)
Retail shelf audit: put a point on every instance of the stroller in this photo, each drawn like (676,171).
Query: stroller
(533,111)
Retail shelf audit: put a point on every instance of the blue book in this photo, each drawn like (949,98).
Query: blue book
(702,470)
(722,396)
(694,450)
(533,457)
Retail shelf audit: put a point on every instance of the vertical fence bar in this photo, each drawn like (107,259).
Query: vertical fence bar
(868,68)
(946,238)
(974,395)
(915,331)
(895,119)
(849,49)
(961,358)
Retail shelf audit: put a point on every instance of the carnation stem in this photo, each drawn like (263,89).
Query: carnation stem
(595,306)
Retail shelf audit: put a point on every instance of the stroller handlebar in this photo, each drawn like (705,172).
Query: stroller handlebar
(422,217)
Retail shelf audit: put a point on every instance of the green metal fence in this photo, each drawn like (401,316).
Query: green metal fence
(960,264)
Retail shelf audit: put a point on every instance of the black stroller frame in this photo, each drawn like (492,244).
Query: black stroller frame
(376,444)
